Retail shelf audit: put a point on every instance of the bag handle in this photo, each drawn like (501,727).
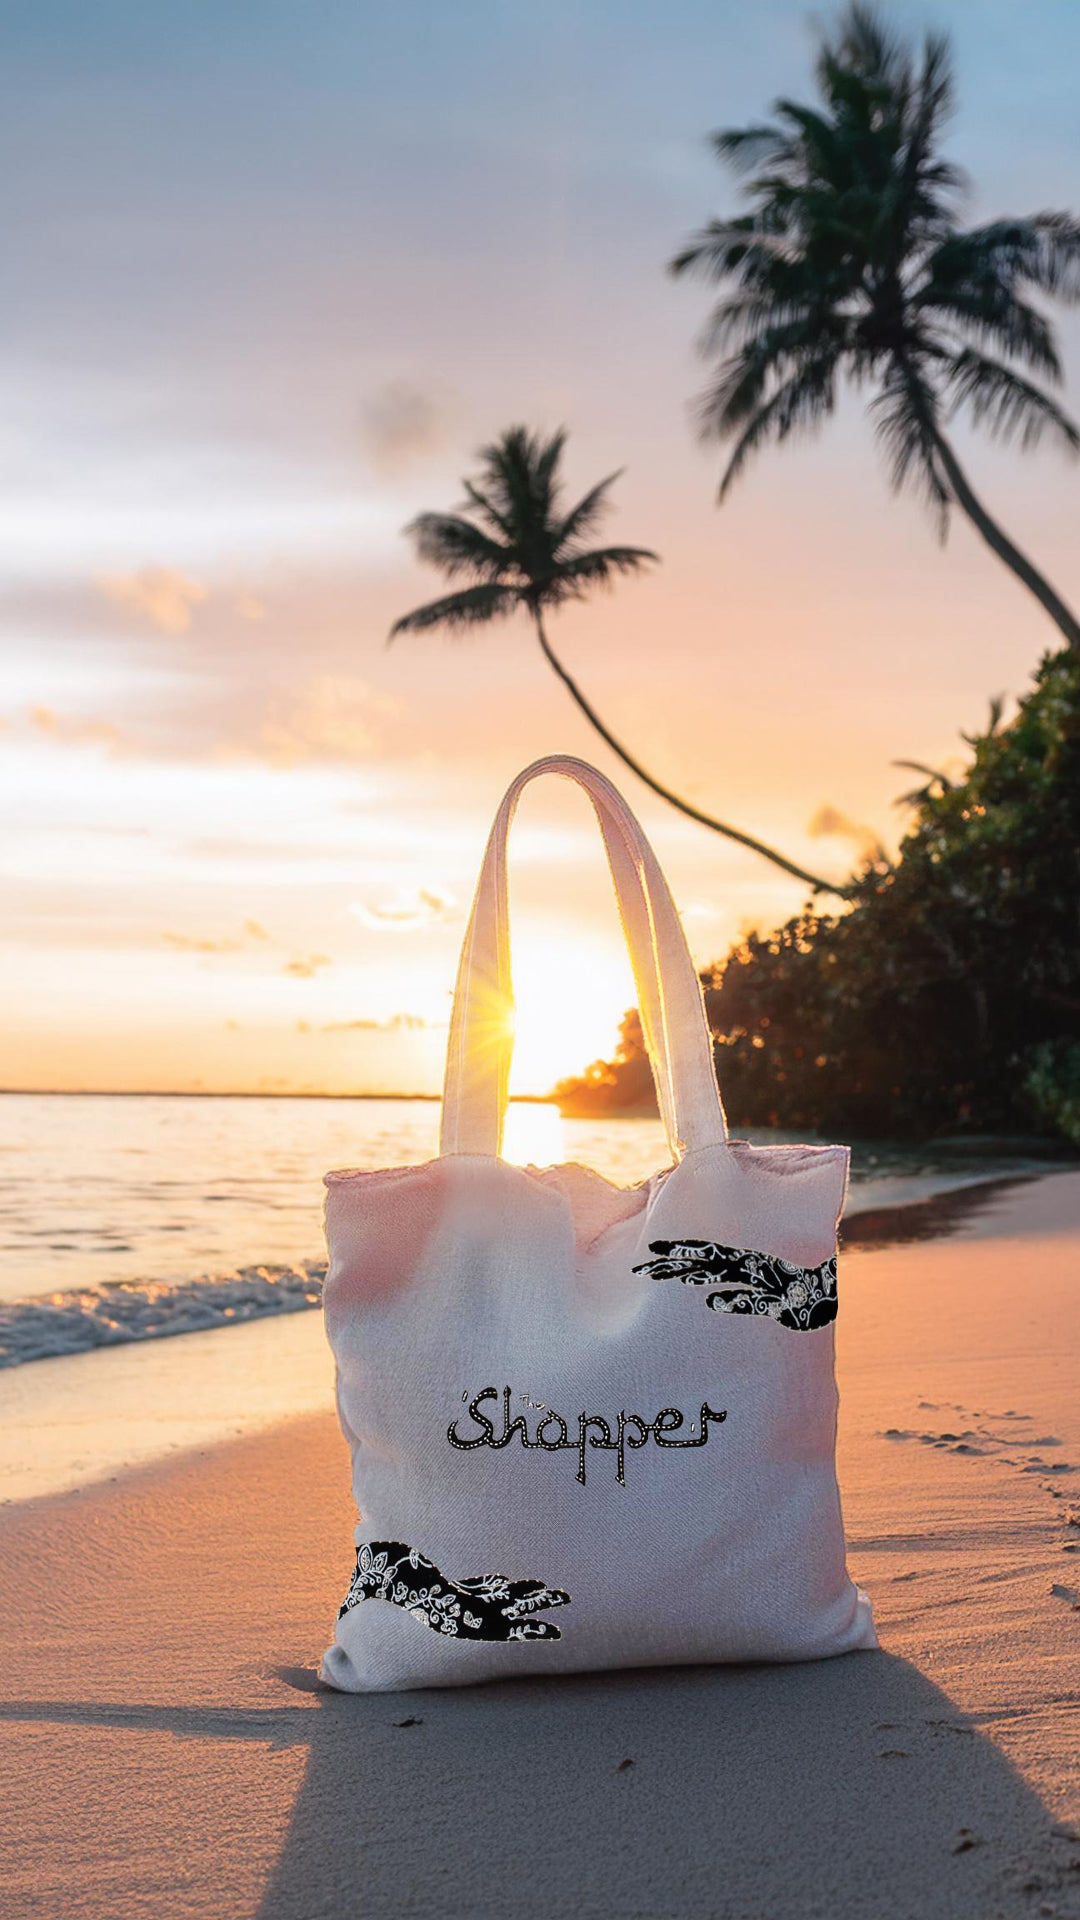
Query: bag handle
(672,1006)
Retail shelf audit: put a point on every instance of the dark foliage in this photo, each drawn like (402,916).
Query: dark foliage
(947,998)
(622,1085)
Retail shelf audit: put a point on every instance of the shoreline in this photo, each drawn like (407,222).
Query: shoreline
(248,1093)
(168,1748)
(932,1216)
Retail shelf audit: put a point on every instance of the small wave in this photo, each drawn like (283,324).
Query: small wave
(126,1310)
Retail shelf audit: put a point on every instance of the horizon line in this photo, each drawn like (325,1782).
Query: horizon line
(240,1093)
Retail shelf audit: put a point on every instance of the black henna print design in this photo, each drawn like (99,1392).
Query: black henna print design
(489,1606)
(801,1298)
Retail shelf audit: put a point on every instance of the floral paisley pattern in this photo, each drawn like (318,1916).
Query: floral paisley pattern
(747,1282)
(489,1606)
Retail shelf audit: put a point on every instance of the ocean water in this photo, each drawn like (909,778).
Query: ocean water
(128,1217)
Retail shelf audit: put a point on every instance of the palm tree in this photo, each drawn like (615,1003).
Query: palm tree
(853,262)
(521,548)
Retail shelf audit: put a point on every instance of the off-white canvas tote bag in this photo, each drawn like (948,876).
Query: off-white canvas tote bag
(590,1426)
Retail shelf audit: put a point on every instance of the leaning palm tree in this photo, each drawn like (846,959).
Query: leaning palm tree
(853,262)
(523,548)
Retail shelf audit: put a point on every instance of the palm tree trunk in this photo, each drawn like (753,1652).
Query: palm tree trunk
(965,497)
(693,813)
(1003,546)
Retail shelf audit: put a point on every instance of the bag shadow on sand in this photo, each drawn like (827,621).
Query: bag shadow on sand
(851,1786)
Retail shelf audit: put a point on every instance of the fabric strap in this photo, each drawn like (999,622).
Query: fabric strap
(672,1008)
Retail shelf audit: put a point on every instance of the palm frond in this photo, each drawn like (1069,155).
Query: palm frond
(598,568)
(743,148)
(487,510)
(904,422)
(1042,250)
(1059,264)
(455,545)
(472,607)
(775,356)
(871,44)
(933,183)
(587,515)
(919,766)
(502,464)
(919,796)
(1008,404)
(935,96)
(723,245)
(866,46)
(521,477)
(975,281)
(993,723)
(801,402)
(814,147)
(987,310)
(540,468)
(547,460)
(792,307)
(1008,249)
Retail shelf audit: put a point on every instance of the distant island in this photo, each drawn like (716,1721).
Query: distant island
(621,1086)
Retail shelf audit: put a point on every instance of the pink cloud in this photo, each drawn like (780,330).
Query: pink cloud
(162,595)
(308,967)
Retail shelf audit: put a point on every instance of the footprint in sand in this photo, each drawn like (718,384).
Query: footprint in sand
(954,1442)
(982,1441)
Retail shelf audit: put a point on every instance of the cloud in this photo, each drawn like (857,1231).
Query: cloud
(69,732)
(331,718)
(418,908)
(829,823)
(307,968)
(397,1023)
(186,943)
(163,596)
(249,607)
(251,934)
(405,422)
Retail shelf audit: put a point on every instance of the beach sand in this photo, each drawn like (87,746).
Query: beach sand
(167,1751)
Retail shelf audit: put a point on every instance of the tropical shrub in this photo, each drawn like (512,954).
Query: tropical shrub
(948,996)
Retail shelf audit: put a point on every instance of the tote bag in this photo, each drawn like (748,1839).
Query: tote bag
(590,1426)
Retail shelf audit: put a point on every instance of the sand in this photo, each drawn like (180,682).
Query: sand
(167,1752)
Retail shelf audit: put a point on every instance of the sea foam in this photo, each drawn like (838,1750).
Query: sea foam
(126,1310)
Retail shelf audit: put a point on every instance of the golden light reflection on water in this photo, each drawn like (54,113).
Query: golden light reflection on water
(534,1134)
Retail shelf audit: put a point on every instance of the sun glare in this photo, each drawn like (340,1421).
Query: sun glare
(571,989)
(533,1135)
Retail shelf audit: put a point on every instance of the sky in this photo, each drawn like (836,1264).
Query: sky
(275,272)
